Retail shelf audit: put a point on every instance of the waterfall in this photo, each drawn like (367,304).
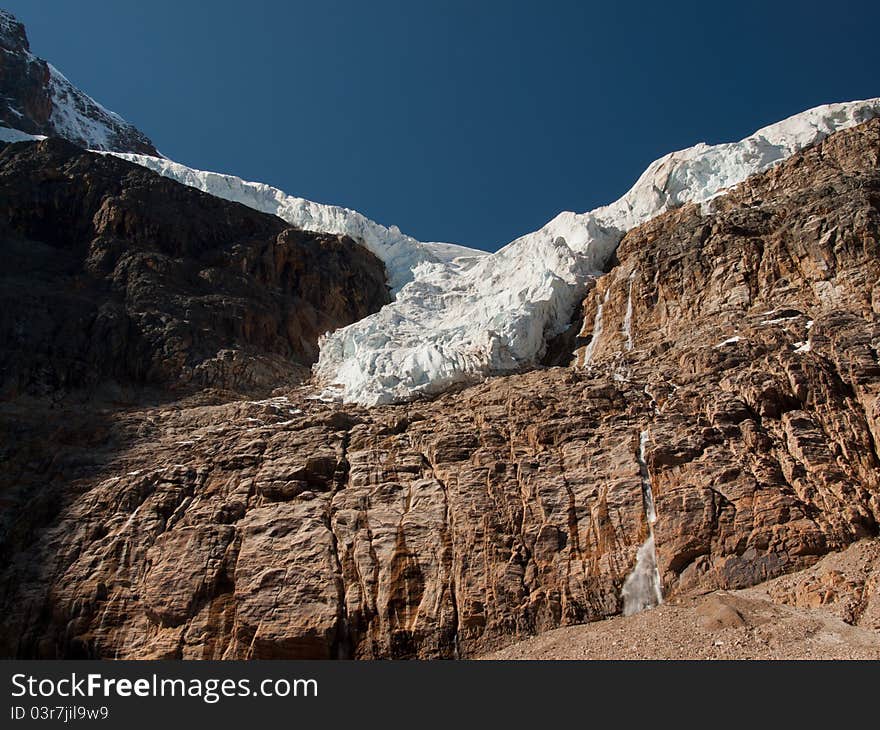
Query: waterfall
(642,589)
(647,492)
(597,331)
(628,318)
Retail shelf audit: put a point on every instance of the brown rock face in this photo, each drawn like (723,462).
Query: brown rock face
(293,528)
(36,100)
(116,275)
(753,329)
(827,611)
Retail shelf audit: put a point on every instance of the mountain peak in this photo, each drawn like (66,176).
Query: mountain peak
(36,98)
(12,33)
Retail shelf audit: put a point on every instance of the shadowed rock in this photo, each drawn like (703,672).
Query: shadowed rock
(115,274)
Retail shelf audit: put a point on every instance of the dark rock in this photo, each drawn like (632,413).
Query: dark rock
(115,273)
(40,101)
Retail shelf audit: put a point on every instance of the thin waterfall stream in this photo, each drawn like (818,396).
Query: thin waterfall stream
(642,589)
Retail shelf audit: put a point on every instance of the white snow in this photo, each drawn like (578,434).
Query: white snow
(400,253)
(8,134)
(74,115)
(460,314)
(461,320)
(805,345)
(729,341)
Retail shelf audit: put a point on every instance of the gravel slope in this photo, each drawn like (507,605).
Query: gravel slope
(793,617)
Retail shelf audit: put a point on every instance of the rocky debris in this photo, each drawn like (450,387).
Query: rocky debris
(115,274)
(37,99)
(742,338)
(846,583)
(726,625)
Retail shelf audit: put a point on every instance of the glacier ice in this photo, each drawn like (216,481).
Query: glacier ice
(461,314)
(399,252)
(462,320)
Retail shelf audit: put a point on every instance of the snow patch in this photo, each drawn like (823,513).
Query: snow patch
(779,320)
(14,135)
(79,118)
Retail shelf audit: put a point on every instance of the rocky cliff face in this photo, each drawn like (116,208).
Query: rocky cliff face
(37,99)
(752,328)
(117,278)
(737,343)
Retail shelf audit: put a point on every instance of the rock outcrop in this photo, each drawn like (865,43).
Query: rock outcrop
(37,99)
(741,337)
(115,277)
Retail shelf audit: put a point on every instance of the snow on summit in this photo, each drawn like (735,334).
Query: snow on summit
(65,111)
(37,99)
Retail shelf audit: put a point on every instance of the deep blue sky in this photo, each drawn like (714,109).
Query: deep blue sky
(471,122)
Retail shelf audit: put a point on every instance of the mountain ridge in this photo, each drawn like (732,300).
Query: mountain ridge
(458,314)
(176,485)
(736,372)
(39,100)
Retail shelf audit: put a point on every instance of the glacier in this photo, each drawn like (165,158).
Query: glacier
(462,320)
(400,253)
(460,314)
